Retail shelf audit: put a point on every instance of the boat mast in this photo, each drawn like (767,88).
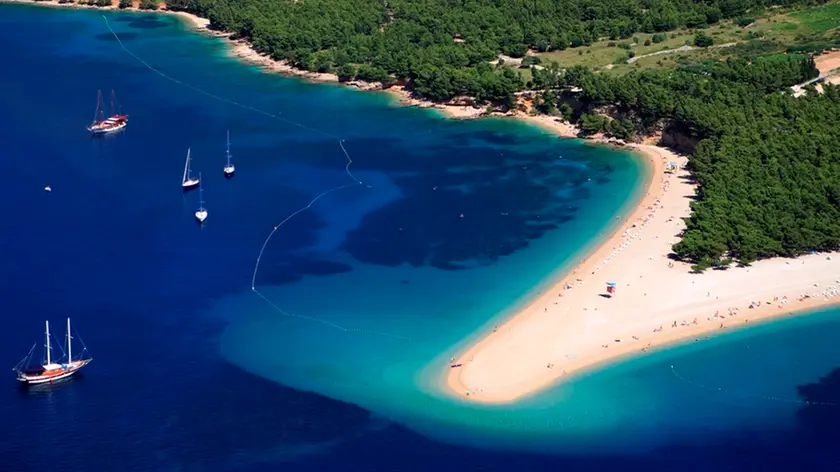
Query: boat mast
(228,148)
(69,344)
(48,342)
(186,166)
(200,193)
(97,115)
(113,100)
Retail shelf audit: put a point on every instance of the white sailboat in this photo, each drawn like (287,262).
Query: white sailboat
(187,182)
(229,168)
(201,213)
(102,125)
(51,371)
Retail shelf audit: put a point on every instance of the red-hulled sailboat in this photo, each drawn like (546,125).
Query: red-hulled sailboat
(50,371)
(102,125)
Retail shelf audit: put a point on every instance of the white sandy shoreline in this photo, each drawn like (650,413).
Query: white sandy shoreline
(657,301)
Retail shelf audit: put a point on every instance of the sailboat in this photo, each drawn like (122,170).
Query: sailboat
(187,182)
(102,125)
(201,213)
(229,168)
(51,371)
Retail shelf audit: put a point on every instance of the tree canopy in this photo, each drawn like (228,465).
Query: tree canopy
(445,47)
(767,163)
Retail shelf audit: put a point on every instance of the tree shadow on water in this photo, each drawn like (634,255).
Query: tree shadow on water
(819,418)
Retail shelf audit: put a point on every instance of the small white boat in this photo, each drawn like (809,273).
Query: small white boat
(50,371)
(200,214)
(229,168)
(48,188)
(187,182)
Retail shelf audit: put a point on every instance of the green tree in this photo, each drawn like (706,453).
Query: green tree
(591,123)
(321,61)
(566,111)
(529,61)
(744,21)
(346,72)
(546,102)
(703,40)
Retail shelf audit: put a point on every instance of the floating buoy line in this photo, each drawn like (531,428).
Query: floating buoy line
(771,398)
(355,183)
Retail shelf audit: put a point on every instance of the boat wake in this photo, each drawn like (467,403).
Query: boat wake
(356,182)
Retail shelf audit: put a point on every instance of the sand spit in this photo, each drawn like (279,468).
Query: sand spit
(576,325)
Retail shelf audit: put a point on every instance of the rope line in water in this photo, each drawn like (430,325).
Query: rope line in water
(285,220)
(762,397)
(235,103)
(216,97)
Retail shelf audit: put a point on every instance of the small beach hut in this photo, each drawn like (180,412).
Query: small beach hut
(671,167)
(611,288)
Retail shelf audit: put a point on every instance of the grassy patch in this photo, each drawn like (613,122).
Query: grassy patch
(525,74)
(773,33)
(603,53)
(785,26)
(819,19)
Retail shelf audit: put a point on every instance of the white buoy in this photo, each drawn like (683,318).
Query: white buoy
(48,188)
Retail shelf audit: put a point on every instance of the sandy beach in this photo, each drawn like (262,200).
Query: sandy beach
(575,325)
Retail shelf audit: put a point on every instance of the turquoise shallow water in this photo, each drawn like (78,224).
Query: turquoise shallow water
(386,280)
(407,321)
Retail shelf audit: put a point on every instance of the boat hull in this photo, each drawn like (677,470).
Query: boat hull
(53,375)
(229,171)
(107,130)
(189,185)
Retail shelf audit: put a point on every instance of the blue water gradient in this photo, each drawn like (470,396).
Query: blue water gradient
(456,225)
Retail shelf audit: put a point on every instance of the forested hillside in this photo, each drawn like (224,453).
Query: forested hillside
(767,164)
(771,184)
(445,47)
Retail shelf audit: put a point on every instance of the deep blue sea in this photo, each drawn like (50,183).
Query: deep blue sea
(367,292)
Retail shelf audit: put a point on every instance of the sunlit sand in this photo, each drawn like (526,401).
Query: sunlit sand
(576,324)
